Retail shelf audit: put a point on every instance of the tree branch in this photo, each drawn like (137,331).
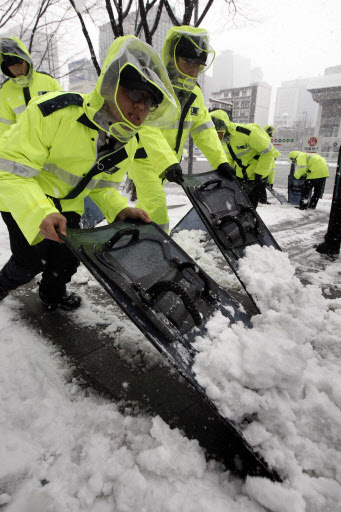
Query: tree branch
(88,40)
(171,14)
(9,12)
(114,28)
(204,12)
(157,18)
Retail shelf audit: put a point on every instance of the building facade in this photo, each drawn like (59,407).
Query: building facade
(326,92)
(295,106)
(250,104)
(230,70)
(82,76)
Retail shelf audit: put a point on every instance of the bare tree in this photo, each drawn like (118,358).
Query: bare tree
(8,9)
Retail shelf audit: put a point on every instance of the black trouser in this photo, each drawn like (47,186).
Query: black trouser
(53,259)
(262,196)
(334,225)
(252,189)
(317,186)
(255,191)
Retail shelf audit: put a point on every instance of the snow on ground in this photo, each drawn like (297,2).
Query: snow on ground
(66,449)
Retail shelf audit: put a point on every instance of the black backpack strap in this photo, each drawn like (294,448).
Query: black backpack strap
(27,95)
(61,101)
(107,162)
(186,108)
(238,161)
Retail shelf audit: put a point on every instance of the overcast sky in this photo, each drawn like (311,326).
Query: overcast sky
(291,39)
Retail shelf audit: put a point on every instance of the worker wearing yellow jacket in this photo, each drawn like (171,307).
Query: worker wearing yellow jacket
(314,168)
(23,82)
(67,146)
(248,149)
(186,53)
(269,129)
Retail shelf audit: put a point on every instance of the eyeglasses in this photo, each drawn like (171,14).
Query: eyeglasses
(11,60)
(137,97)
(196,62)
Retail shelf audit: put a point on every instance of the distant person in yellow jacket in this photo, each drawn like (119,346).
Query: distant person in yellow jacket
(249,149)
(68,146)
(270,130)
(186,53)
(23,82)
(314,169)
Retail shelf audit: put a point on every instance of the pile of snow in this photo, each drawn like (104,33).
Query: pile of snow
(64,448)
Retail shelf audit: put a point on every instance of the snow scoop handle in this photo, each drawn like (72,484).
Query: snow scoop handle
(126,231)
(217,182)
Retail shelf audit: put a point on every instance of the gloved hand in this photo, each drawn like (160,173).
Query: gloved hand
(271,186)
(258,178)
(174,173)
(227,170)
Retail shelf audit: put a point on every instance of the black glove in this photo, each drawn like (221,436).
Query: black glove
(271,186)
(227,170)
(174,173)
(258,178)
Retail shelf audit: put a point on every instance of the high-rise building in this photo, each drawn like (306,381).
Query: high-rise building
(230,70)
(82,76)
(250,104)
(295,107)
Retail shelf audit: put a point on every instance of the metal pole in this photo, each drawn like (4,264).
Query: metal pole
(190,141)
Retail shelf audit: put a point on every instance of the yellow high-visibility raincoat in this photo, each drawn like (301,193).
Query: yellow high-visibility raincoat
(58,140)
(15,93)
(153,157)
(310,165)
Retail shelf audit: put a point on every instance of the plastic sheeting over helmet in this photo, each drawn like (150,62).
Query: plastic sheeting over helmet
(221,121)
(270,130)
(12,46)
(293,155)
(101,105)
(191,43)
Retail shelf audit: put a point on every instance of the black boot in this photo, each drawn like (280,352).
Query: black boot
(329,247)
(53,295)
(69,302)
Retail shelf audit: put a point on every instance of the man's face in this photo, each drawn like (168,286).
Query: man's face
(188,68)
(133,111)
(19,69)
(220,135)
